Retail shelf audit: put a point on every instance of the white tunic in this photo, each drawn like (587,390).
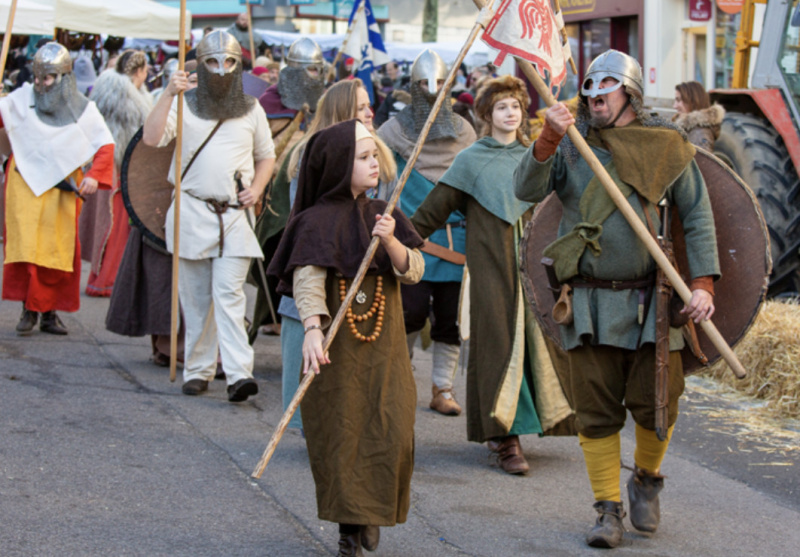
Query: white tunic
(236,145)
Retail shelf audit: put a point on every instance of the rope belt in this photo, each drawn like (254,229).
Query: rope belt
(218,208)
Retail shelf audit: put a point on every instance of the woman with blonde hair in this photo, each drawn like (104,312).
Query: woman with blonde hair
(345,100)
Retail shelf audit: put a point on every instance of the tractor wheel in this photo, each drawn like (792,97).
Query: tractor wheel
(752,147)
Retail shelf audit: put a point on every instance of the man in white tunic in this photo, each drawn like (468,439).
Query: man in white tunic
(225,137)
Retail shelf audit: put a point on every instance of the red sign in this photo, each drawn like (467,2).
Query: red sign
(699,10)
(652,75)
(730,6)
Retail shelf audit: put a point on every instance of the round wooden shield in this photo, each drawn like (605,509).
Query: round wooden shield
(146,192)
(744,256)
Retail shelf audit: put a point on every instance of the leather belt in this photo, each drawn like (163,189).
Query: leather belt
(590,282)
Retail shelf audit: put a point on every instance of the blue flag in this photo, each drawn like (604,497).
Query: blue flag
(365,44)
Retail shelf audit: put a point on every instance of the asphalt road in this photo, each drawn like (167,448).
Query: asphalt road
(101,455)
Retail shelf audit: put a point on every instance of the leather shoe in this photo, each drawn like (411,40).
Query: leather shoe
(510,457)
(243,388)
(350,545)
(444,402)
(51,323)
(220,373)
(370,537)
(159,359)
(194,387)
(27,321)
(643,489)
(607,531)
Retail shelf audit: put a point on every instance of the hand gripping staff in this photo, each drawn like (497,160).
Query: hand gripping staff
(483,19)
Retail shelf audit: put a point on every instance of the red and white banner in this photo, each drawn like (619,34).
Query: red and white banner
(529,30)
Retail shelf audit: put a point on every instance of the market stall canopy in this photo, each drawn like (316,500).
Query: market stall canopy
(31,18)
(143,19)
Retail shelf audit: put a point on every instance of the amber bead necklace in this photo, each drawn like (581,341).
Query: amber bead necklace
(376,310)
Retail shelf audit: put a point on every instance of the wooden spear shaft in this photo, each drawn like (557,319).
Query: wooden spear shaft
(176,210)
(332,73)
(442,97)
(250,34)
(12,10)
(634,221)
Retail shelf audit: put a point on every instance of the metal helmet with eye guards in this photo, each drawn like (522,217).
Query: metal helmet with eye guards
(51,59)
(428,65)
(617,65)
(219,46)
(305,53)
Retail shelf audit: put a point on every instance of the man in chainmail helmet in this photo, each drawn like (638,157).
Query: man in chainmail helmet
(53,131)
(610,339)
(301,84)
(299,88)
(227,158)
(444,250)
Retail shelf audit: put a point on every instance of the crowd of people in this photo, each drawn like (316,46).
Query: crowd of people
(318,164)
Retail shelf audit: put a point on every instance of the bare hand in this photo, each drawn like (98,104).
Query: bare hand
(247,198)
(701,306)
(313,355)
(179,81)
(559,118)
(384,228)
(88,186)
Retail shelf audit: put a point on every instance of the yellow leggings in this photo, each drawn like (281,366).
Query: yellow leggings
(603,459)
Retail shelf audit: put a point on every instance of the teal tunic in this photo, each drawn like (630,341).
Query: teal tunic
(604,316)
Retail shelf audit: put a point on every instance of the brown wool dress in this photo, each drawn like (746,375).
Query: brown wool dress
(358,416)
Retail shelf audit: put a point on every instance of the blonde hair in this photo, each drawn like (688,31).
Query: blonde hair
(339,104)
(131,61)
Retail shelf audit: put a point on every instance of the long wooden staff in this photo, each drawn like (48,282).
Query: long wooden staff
(332,73)
(250,33)
(442,97)
(12,10)
(176,211)
(633,219)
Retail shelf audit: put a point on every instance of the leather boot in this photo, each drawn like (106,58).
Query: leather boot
(607,531)
(51,323)
(510,457)
(370,537)
(444,402)
(27,321)
(350,545)
(643,489)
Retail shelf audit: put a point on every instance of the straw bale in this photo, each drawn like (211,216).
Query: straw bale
(770,352)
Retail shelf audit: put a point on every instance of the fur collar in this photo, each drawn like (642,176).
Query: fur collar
(704,118)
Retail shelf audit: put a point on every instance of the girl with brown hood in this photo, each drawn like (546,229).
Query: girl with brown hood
(358,414)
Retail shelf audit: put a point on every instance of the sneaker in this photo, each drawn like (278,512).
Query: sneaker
(243,388)
(607,531)
(444,402)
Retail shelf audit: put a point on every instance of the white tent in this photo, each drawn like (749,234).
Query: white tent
(31,18)
(142,19)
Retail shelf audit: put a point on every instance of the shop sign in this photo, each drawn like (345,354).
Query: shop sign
(699,10)
(569,7)
(730,6)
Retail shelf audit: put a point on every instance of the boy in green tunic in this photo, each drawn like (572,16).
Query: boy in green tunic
(503,358)
(610,341)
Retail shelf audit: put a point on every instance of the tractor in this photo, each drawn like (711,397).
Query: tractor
(759,136)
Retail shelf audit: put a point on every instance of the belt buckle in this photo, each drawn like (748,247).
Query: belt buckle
(616,285)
